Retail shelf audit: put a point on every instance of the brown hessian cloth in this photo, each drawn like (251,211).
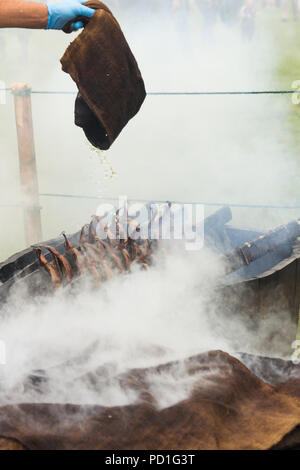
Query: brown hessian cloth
(110,84)
(230,407)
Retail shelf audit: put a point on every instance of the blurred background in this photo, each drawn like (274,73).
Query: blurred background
(223,149)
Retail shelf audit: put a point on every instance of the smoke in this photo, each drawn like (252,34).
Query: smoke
(135,321)
(79,346)
(207,148)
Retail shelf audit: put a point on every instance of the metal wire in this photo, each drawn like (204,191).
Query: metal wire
(23,205)
(200,93)
(153,201)
(175,93)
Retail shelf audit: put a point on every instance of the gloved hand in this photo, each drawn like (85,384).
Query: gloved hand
(62,12)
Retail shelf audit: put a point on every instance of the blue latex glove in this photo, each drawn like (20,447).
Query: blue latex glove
(62,12)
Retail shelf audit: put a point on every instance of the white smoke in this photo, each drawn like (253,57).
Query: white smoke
(136,321)
(74,347)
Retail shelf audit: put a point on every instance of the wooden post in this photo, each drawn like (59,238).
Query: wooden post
(27,162)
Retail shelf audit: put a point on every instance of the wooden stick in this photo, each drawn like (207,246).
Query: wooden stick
(27,161)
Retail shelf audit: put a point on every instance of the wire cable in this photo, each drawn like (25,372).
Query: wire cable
(175,93)
(153,201)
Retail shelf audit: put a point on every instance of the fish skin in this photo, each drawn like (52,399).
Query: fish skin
(55,278)
(63,262)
